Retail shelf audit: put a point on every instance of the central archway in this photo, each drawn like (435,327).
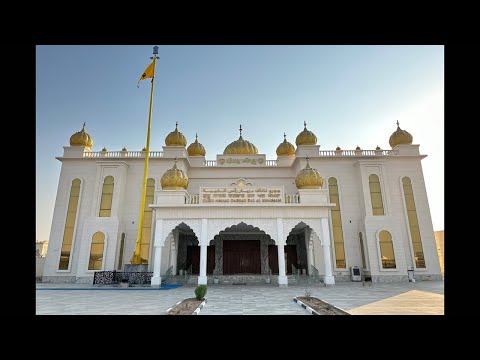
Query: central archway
(242,249)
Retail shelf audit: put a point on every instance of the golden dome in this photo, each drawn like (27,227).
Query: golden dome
(195,148)
(175,138)
(240,147)
(174,179)
(400,137)
(309,178)
(306,137)
(81,138)
(285,148)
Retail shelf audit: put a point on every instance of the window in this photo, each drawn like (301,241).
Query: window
(376,195)
(337,224)
(120,255)
(386,250)
(413,223)
(96,251)
(147,221)
(67,241)
(107,195)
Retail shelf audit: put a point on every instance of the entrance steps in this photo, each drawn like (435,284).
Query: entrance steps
(247,279)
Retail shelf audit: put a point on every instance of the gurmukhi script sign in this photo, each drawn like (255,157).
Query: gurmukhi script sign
(250,195)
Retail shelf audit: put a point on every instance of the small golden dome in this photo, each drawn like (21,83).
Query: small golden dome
(81,138)
(358,148)
(195,148)
(124,149)
(306,137)
(378,148)
(175,138)
(285,148)
(309,178)
(174,179)
(104,149)
(400,137)
(338,148)
(144,149)
(240,147)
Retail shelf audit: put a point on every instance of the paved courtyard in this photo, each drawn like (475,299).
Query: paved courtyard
(424,297)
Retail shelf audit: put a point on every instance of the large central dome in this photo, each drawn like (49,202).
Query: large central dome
(240,147)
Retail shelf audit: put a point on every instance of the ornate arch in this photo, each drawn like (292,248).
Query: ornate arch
(314,224)
(269,226)
(169,225)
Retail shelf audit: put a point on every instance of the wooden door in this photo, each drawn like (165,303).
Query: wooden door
(291,251)
(210,259)
(273,258)
(193,258)
(241,256)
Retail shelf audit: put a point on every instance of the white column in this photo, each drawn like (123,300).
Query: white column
(156,279)
(309,251)
(282,277)
(202,279)
(327,261)
(173,257)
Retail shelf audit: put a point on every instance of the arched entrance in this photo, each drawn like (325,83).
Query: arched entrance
(242,249)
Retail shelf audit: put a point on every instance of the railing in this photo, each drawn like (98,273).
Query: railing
(292,199)
(115,277)
(168,275)
(315,275)
(271,163)
(327,153)
(122,154)
(210,163)
(193,199)
(188,273)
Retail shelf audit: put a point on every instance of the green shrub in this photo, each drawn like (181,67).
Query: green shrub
(200,292)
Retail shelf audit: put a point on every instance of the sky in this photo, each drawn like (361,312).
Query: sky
(348,95)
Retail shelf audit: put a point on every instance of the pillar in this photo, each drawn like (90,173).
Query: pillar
(156,278)
(327,260)
(282,277)
(202,279)
(173,256)
(309,251)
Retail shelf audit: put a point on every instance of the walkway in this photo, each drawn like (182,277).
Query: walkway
(424,297)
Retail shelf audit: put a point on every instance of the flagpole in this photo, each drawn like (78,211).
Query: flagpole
(136,258)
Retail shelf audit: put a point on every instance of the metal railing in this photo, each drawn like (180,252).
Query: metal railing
(315,275)
(168,275)
(188,273)
(115,277)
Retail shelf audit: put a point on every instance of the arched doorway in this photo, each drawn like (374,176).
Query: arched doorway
(241,249)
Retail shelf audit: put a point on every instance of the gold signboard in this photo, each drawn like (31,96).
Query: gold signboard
(250,195)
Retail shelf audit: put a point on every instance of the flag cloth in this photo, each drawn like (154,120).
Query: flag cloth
(148,73)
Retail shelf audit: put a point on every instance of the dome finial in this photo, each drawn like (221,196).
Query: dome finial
(176,125)
(284,137)
(196,137)
(308,163)
(240,130)
(304,125)
(398,125)
(240,147)
(84,123)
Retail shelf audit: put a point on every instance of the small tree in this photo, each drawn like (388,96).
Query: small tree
(200,292)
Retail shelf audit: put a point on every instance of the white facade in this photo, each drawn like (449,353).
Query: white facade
(301,211)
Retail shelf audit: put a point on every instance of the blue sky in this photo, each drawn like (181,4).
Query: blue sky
(349,96)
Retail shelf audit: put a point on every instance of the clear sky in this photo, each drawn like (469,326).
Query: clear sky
(349,96)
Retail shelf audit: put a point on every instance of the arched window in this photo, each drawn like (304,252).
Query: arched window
(413,223)
(96,251)
(147,221)
(386,250)
(337,224)
(122,249)
(67,241)
(376,195)
(107,195)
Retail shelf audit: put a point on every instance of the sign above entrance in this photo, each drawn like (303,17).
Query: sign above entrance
(248,195)
(241,160)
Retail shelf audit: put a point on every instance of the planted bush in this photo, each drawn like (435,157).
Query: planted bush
(200,292)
